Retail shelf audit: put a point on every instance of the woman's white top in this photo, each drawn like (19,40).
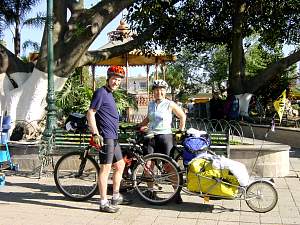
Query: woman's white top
(160,117)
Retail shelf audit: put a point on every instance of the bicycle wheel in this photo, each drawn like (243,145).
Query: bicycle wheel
(261,196)
(158,180)
(76,178)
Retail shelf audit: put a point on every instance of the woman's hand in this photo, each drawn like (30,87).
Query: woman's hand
(144,129)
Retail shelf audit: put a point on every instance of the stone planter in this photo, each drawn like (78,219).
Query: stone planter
(267,160)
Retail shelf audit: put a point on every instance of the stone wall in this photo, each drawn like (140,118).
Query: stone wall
(284,135)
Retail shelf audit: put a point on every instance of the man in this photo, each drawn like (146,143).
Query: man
(103,120)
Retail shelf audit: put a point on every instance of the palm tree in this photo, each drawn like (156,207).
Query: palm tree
(14,12)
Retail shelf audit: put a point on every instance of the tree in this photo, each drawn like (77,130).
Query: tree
(72,37)
(171,23)
(193,24)
(14,13)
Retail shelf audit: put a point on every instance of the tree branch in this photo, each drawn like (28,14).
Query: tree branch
(274,70)
(92,57)
(9,63)
(83,28)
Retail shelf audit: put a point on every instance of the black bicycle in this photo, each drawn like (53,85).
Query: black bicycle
(156,177)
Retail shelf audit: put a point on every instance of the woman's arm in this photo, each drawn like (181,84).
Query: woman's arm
(180,114)
(144,122)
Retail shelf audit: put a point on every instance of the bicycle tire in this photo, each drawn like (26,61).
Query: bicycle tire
(68,181)
(261,196)
(162,185)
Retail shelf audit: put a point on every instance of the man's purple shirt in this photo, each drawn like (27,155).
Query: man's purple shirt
(107,117)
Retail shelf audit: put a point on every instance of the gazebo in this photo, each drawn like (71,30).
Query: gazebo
(133,58)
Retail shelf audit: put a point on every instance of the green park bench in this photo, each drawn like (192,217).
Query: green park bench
(66,141)
(220,143)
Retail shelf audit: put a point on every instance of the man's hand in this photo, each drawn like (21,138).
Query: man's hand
(98,139)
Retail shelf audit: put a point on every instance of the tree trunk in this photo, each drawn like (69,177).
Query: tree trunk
(17,39)
(237,70)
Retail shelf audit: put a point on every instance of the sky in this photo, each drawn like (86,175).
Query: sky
(35,34)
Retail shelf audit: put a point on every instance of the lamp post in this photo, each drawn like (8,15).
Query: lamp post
(51,109)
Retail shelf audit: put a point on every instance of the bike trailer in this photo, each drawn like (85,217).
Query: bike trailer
(193,146)
(203,177)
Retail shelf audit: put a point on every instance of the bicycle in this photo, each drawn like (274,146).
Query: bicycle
(76,174)
(157,178)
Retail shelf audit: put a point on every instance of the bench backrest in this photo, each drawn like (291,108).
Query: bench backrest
(220,143)
(69,141)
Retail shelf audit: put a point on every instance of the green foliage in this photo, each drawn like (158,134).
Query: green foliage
(31,44)
(124,100)
(194,23)
(36,22)
(75,96)
(197,26)
(259,57)
(14,12)
(80,29)
(216,63)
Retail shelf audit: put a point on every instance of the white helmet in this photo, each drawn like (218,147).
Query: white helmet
(159,84)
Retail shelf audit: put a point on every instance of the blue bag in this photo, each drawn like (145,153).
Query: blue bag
(193,146)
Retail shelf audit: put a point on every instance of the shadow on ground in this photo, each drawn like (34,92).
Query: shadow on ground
(47,195)
(295,153)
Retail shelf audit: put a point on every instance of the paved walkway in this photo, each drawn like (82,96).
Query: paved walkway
(27,200)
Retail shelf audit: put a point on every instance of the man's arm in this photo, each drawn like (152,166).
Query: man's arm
(92,121)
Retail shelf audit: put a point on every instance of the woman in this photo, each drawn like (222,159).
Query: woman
(159,121)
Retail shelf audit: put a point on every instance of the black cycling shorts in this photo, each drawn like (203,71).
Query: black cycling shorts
(161,143)
(110,152)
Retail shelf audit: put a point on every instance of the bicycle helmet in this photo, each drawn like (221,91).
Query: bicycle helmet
(159,84)
(115,71)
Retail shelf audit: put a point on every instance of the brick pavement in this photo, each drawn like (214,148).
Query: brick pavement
(26,200)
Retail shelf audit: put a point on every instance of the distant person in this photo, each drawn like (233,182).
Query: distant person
(231,108)
(216,107)
(190,107)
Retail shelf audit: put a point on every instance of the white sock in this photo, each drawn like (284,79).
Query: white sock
(115,195)
(103,202)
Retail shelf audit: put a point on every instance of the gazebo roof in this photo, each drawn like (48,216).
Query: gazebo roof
(135,57)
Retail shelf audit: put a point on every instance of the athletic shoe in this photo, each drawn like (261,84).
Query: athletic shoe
(120,201)
(108,208)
